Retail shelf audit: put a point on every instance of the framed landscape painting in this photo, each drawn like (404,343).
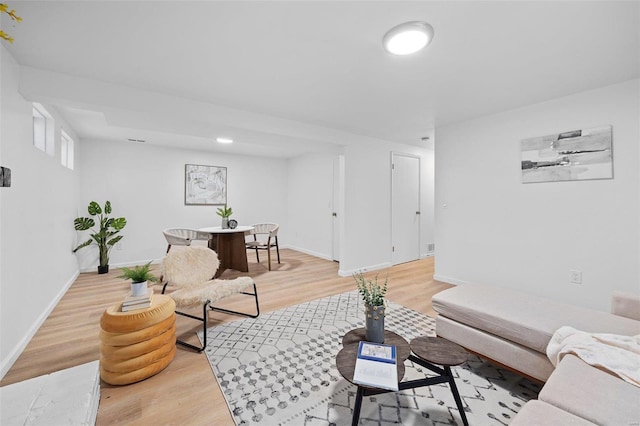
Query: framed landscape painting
(575,155)
(205,185)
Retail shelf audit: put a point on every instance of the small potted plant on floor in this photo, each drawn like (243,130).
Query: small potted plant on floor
(105,236)
(374,306)
(139,275)
(225,212)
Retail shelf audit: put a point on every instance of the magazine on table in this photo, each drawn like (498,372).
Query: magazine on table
(376,366)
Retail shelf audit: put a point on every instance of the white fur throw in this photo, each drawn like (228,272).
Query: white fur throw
(619,355)
(189,266)
(191,269)
(212,291)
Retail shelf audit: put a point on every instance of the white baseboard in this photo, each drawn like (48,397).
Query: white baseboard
(94,268)
(7,363)
(348,273)
(309,252)
(450,280)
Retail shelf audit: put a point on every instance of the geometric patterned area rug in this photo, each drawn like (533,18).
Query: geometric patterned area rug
(279,369)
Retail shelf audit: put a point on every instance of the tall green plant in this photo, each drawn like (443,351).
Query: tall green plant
(105,234)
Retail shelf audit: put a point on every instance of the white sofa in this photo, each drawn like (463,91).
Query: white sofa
(513,329)
(577,393)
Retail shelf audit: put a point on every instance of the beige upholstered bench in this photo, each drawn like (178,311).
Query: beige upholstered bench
(514,328)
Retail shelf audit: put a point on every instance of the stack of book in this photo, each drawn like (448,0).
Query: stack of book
(131,303)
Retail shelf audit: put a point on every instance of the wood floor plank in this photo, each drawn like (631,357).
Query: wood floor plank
(186,392)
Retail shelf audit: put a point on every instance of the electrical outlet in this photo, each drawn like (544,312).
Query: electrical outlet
(575,276)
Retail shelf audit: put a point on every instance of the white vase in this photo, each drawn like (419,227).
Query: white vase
(139,289)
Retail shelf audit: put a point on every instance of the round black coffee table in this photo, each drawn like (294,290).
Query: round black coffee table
(346,358)
(346,363)
(429,352)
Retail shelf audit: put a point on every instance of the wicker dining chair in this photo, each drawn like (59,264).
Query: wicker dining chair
(183,236)
(265,237)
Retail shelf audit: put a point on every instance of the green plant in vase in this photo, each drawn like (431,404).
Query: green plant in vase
(373,296)
(104,236)
(139,276)
(225,212)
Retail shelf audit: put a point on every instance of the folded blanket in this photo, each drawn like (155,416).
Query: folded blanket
(619,355)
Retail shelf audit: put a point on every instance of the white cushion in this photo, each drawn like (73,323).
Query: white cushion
(538,413)
(593,394)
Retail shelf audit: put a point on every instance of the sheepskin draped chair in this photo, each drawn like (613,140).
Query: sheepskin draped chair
(188,270)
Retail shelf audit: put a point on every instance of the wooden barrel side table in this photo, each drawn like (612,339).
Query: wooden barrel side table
(138,344)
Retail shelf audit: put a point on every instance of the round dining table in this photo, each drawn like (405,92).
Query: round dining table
(229,244)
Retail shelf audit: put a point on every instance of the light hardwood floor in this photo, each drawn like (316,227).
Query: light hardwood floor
(186,392)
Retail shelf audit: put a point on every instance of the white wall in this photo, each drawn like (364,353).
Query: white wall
(367,225)
(145,184)
(496,230)
(427,199)
(36,221)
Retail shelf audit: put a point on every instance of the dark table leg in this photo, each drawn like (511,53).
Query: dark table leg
(444,375)
(456,395)
(357,406)
(231,250)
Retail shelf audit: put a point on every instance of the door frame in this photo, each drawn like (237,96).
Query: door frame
(337,207)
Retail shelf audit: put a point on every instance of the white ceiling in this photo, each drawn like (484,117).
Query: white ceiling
(285,78)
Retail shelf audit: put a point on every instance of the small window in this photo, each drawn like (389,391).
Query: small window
(66,150)
(39,130)
(43,127)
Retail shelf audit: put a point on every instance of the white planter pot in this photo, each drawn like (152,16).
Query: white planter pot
(139,289)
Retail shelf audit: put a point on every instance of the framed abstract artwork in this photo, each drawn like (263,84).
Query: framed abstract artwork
(575,155)
(205,185)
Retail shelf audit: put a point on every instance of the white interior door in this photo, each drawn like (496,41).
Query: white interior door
(405,208)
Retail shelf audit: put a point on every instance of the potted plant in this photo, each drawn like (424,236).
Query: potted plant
(225,212)
(105,235)
(374,306)
(139,275)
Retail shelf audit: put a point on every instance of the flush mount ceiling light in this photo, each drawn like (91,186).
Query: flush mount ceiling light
(407,38)
(224,140)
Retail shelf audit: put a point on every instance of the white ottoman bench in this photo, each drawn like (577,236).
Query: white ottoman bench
(513,328)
